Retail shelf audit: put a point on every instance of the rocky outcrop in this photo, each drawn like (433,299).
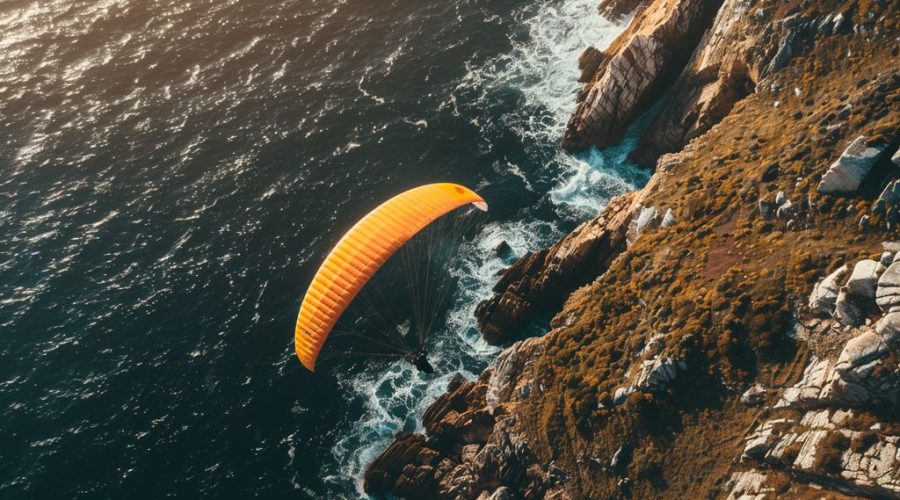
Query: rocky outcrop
(820,447)
(636,69)
(847,173)
(870,284)
(887,295)
(543,279)
(471,447)
(747,42)
(717,76)
(825,293)
(823,429)
(653,371)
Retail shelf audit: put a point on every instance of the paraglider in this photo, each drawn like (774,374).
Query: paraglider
(361,252)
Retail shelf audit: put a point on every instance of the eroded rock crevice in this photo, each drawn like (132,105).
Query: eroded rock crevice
(626,78)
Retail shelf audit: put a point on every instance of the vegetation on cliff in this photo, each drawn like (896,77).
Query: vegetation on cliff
(645,385)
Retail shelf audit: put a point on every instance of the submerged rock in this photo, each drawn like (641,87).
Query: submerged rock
(502,249)
(847,173)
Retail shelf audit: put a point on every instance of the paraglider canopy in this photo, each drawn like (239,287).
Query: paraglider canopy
(362,251)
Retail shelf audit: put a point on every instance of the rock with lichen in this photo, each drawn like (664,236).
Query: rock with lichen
(847,172)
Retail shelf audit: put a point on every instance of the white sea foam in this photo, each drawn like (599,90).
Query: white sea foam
(543,69)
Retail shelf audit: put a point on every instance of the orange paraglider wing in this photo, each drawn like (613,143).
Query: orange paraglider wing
(362,251)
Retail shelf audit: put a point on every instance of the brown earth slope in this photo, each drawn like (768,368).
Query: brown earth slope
(712,357)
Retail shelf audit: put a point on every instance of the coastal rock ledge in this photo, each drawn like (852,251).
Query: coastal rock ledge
(471,447)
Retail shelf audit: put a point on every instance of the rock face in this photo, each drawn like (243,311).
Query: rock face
(546,277)
(715,78)
(819,446)
(746,43)
(887,295)
(471,449)
(847,173)
(636,69)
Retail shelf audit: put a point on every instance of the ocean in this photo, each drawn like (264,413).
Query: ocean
(172,173)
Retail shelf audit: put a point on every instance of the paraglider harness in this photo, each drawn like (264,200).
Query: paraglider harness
(419,359)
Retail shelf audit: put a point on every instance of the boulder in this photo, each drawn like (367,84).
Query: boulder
(824,295)
(887,293)
(890,196)
(646,219)
(617,9)
(786,210)
(863,279)
(652,374)
(502,249)
(889,329)
(668,219)
(754,396)
(847,173)
(860,350)
(847,309)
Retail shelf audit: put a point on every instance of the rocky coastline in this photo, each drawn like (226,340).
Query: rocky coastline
(733,328)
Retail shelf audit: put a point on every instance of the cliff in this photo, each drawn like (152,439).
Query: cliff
(733,328)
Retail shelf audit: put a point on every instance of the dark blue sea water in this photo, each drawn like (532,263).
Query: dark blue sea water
(171,175)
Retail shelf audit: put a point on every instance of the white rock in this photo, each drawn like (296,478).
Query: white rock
(846,311)
(646,219)
(754,396)
(786,210)
(668,219)
(887,294)
(863,279)
(779,198)
(847,172)
(889,328)
(825,293)
(860,350)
